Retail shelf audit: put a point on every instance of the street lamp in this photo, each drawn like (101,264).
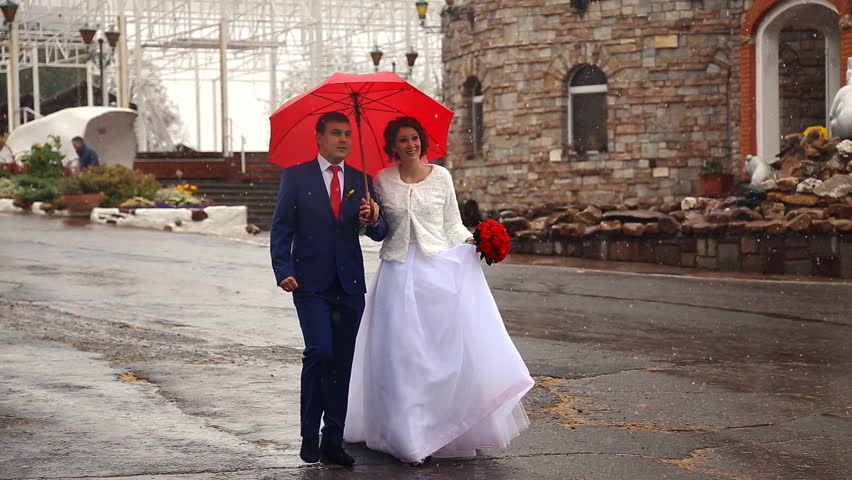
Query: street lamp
(10,9)
(410,57)
(376,55)
(88,33)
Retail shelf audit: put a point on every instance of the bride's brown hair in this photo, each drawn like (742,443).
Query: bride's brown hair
(393,129)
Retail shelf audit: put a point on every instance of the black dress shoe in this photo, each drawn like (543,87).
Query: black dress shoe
(337,456)
(310,451)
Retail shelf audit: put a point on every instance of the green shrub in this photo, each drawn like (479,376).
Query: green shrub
(7,188)
(175,196)
(118,183)
(35,189)
(44,159)
(80,183)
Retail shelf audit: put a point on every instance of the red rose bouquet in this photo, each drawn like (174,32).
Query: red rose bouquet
(492,241)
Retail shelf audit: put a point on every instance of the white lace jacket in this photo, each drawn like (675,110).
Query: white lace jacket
(429,207)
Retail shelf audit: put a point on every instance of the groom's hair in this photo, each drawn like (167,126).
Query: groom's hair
(330,117)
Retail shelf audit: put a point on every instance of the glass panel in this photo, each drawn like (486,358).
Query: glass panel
(589,115)
(801,73)
(588,75)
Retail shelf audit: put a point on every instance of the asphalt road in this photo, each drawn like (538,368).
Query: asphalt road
(142,354)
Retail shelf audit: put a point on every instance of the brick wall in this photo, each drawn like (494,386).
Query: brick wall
(681,86)
(670,68)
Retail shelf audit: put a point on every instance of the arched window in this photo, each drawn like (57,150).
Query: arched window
(473,117)
(587,113)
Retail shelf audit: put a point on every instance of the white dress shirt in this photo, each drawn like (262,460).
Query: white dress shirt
(425,213)
(327,174)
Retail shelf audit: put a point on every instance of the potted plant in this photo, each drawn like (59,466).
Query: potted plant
(80,195)
(715,180)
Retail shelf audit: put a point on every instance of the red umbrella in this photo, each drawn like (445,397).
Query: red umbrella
(371,101)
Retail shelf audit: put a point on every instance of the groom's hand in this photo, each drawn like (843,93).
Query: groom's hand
(369,213)
(289,284)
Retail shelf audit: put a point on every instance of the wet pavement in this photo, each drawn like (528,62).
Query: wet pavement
(142,354)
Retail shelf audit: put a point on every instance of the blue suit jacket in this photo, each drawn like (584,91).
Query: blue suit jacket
(308,243)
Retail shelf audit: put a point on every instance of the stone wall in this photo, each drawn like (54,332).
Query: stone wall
(672,68)
(811,254)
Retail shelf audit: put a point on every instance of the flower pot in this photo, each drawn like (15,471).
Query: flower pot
(716,185)
(81,204)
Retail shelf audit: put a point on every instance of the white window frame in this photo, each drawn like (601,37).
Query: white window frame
(581,90)
(477,140)
(803,15)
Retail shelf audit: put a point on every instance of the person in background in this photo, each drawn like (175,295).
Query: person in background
(88,157)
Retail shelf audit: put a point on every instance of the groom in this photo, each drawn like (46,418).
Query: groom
(316,255)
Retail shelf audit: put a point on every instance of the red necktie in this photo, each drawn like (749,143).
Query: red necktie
(334,195)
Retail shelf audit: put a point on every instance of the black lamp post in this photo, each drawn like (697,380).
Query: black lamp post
(10,9)
(376,55)
(88,34)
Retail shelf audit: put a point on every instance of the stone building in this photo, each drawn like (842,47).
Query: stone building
(608,100)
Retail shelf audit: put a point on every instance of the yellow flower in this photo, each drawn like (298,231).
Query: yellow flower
(819,128)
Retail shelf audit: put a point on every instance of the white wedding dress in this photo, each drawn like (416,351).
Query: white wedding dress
(435,373)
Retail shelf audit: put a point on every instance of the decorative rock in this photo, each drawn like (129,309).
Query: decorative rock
(508,214)
(47,207)
(791,166)
(252,229)
(198,215)
(167,228)
(540,225)
(668,225)
(842,225)
(770,184)
(809,168)
(178,223)
(689,203)
(592,230)
(787,184)
(845,148)
(807,185)
(669,207)
(773,209)
(633,229)
(737,228)
(704,228)
(632,203)
(801,223)
(804,199)
(611,227)
(756,226)
(840,211)
(568,230)
(590,216)
(775,227)
(635,216)
(815,213)
(746,214)
(679,215)
(720,216)
(835,187)
(822,226)
(515,224)
(652,228)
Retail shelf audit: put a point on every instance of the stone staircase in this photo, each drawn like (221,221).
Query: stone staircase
(258,197)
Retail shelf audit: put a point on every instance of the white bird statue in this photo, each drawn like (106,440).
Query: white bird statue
(840,117)
(759,170)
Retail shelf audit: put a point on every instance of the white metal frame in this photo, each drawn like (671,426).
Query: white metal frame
(281,47)
(579,90)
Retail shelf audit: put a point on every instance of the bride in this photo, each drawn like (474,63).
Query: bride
(435,372)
